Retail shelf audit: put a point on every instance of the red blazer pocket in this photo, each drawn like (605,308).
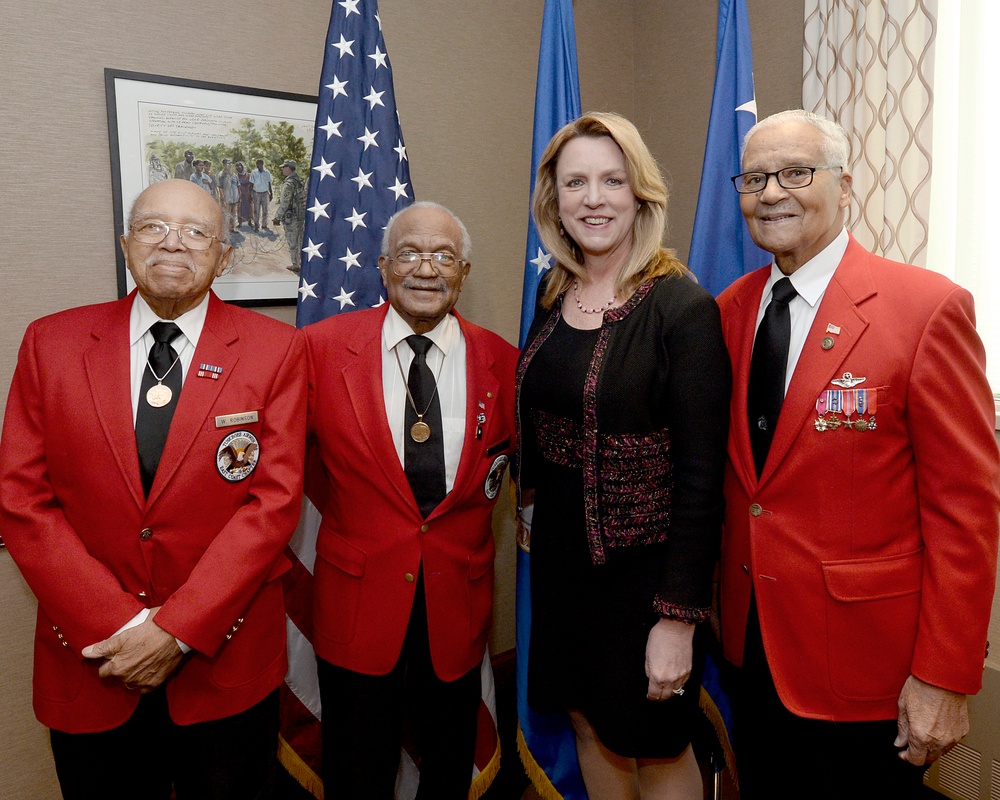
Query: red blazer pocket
(872,610)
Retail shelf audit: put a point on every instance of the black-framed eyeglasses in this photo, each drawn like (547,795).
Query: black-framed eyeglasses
(442,262)
(154,231)
(787,178)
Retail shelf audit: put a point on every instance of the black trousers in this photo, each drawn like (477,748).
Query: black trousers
(234,758)
(780,755)
(363,723)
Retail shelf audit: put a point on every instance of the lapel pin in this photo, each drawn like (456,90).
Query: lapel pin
(831,328)
(827,343)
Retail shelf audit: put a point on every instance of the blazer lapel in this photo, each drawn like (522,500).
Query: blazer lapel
(851,284)
(741,349)
(481,395)
(218,345)
(364,386)
(108,368)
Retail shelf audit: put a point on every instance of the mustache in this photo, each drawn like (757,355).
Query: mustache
(427,284)
(176,262)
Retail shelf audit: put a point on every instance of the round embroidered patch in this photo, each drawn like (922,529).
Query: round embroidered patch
(495,476)
(237,455)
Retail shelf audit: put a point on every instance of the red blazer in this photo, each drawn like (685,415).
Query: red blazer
(95,551)
(872,553)
(372,539)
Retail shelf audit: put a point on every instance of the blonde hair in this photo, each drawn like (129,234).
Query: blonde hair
(648,257)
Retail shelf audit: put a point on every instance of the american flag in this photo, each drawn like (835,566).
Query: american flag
(359,177)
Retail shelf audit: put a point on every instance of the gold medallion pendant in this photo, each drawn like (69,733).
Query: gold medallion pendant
(420,431)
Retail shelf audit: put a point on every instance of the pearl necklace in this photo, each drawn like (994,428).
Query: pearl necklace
(599,309)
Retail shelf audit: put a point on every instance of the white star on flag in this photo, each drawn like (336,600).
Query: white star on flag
(400,149)
(350,260)
(362,180)
(369,138)
(337,87)
(374,98)
(312,250)
(543,261)
(399,189)
(306,289)
(356,219)
(318,210)
(343,46)
(351,7)
(332,128)
(378,57)
(345,298)
(325,169)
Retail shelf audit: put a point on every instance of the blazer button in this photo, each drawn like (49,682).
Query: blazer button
(756,510)
(408,577)
(146,535)
(424,528)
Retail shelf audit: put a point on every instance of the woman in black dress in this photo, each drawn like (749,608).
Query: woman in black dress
(623,403)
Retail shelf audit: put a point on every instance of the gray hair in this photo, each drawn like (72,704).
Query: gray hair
(836,144)
(466,253)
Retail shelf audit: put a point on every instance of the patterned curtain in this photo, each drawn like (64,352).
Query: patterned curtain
(868,65)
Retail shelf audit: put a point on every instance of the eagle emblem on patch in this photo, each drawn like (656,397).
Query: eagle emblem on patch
(237,456)
(495,476)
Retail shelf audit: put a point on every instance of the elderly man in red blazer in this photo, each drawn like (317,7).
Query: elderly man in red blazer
(161,638)
(859,550)
(407,474)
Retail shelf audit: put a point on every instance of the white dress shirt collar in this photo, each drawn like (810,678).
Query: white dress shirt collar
(142,318)
(811,279)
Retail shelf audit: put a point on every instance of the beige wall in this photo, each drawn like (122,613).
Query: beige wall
(464,75)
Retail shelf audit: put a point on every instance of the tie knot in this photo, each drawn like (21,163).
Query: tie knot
(419,344)
(164,332)
(783,291)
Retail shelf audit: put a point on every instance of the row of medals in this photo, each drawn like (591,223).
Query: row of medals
(846,401)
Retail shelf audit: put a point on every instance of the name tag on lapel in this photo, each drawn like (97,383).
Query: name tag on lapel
(243,418)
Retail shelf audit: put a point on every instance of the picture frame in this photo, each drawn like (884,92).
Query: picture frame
(154,119)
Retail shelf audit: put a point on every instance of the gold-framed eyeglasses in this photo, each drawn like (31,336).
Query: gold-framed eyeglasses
(787,178)
(154,231)
(442,262)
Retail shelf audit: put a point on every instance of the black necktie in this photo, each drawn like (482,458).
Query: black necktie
(766,388)
(423,461)
(152,420)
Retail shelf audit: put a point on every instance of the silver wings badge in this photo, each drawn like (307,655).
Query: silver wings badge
(847,381)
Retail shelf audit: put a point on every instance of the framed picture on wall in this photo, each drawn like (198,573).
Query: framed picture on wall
(162,128)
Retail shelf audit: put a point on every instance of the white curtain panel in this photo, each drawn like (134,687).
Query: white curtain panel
(868,65)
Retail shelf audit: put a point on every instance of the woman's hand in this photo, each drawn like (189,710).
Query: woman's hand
(668,658)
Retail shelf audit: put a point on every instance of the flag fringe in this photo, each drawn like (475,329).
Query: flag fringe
(486,775)
(534,772)
(298,769)
(711,711)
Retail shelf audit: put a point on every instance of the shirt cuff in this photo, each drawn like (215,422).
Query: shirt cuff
(140,618)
